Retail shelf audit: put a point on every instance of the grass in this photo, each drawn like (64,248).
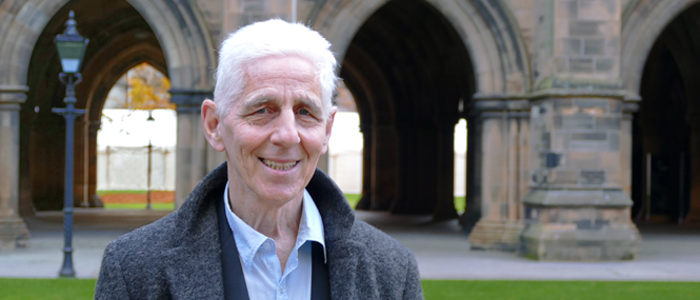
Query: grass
(48,289)
(556,290)
(460,204)
(140,206)
(353,199)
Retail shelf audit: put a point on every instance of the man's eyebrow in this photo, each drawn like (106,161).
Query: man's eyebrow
(255,101)
(309,103)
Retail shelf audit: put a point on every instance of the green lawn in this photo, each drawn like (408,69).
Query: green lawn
(140,206)
(460,204)
(112,192)
(47,289)
(353,199)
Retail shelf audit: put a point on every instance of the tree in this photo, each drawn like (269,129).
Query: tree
(148,89)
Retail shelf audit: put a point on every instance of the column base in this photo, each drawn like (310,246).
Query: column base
(501,235)
(554,242)
(13,233)
(693,218)
(96,201)
(579,225)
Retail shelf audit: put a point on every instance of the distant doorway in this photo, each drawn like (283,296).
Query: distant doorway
(666,129)
(408,70)
(136,143)
(120,38)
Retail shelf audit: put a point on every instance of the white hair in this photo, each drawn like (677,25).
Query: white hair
(271,38)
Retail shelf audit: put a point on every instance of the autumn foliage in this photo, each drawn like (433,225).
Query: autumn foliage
(148,89)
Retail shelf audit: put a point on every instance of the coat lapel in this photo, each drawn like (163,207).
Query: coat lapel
(194,267)
(338,218)
(194,271)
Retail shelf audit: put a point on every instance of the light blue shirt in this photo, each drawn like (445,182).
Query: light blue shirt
(258,253)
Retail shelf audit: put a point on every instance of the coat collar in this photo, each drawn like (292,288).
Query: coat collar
(194,266)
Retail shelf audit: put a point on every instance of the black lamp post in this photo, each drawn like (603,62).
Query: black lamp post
(149,121)
(71,48)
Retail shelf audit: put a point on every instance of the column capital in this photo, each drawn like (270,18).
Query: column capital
(11,96)
(189,100)
(583,92)
(499,106)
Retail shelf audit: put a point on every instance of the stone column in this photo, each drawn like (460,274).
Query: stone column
(384,169)
(93,198)
(191,157)
(576,208)
(693,216)
(425,169)
(366,199)
(444,193)
(13,230)
(504,155)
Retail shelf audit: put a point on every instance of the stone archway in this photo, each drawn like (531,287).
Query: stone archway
(401,107)
(187,57)
(666,130)
(120,39)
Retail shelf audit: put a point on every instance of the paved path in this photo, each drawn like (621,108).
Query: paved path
(668,253)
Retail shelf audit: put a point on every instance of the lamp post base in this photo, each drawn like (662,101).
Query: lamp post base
(67,268)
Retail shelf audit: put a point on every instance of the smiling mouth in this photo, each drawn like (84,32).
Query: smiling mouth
(278,166)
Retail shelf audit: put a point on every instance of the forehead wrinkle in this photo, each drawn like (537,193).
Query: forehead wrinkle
(256,100)
(308,101)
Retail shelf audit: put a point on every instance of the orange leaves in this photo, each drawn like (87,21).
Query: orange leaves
(148,89)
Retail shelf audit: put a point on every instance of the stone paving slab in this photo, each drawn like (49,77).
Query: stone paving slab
(442,250)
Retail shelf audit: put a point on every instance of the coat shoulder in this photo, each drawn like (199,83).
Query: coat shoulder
(386,268)
(147,241)
(132,262)
(378,242)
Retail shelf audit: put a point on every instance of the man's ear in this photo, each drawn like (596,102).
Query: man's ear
(329,128)
(210,125)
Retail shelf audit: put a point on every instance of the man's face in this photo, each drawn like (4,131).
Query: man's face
(275,132)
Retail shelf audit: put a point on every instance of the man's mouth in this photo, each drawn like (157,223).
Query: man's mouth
(279,166)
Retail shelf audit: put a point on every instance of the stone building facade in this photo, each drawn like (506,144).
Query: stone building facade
(580,112)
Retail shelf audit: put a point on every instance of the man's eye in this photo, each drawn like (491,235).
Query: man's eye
(261,111)
(304,112)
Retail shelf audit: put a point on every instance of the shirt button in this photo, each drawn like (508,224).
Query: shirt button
(282,289)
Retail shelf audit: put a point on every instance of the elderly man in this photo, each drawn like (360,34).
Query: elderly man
(266,224)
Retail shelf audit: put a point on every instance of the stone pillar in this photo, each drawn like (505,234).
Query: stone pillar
(366,199)
(472,211)
(576,208)
(629,107)
(384,169)
(13,230)
(191,157)
(93,199)
(425,170)
(504,155)
(444,193)
(80,183)
(693,216)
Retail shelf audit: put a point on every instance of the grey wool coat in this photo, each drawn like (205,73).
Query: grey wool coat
(179,256)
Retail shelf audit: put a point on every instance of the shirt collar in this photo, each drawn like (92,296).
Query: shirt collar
(311,224)
(249,240)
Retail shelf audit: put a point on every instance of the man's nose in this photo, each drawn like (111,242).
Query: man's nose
(285,132)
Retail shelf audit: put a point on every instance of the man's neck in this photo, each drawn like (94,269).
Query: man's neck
(280,223)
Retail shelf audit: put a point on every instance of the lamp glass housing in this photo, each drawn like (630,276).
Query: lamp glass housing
(71,53)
